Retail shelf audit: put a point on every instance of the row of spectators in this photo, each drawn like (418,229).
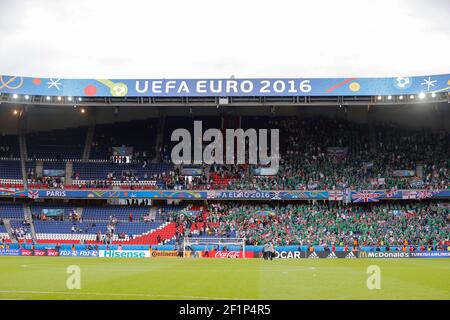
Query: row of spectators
(366,160)
(19,232)
(50,182)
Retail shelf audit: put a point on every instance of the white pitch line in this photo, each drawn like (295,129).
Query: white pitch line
(116,294)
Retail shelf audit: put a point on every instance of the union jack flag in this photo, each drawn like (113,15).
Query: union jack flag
(335,196)
(33,194)
(366,196)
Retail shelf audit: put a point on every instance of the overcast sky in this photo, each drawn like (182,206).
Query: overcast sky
(214,38)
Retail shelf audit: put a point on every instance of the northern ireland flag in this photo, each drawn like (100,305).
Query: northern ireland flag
(366,196)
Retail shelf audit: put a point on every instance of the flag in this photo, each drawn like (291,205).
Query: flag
(335,196)
(33,194)
(403,173)
(265,213)
(190,212)
(424,195)
(368,164)
(417,183)
(366,196)
(276,196)
(337,153)
(391,193)
(398,212)
(410,194)
(211,194)
(347,196)
(7,191)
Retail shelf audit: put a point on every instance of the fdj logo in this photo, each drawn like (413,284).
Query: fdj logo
(258,148)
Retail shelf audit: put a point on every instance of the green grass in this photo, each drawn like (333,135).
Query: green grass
(165,278)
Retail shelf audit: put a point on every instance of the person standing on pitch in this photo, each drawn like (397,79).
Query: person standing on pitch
(271,251)
(266,251)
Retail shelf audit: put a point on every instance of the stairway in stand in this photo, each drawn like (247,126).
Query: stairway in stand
(166,231)
(8,228)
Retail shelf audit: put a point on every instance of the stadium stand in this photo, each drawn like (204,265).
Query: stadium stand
(10,169)
(65,144)
(9,146)
(120,172)
(317,153)
(11,211)
(139,134)
(392,224)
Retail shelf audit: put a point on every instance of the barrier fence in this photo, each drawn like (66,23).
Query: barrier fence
(223,254)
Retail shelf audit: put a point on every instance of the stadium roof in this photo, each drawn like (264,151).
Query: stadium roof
(218,39)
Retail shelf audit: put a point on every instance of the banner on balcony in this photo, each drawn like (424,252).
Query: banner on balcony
(351,86)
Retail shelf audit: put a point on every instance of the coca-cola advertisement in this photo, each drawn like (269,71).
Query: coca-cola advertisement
(225,254)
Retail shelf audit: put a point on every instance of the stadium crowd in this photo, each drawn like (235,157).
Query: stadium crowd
(330,154)
(328,224)
(315,154)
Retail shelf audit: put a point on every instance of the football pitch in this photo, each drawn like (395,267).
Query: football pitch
(173,278)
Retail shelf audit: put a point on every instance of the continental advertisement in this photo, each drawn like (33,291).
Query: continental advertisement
(168,254)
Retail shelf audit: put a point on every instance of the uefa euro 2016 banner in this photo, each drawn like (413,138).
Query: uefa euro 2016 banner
(224,87)
(335,195)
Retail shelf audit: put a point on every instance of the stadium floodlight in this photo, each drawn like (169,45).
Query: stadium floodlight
(379,97)
(27,97)
(389,97)
(223,101)
(400,97)
(422,95)
(80,99)
(48,98)
(433,94)
(59,98)
(411,97)
(69,98)
(15,96)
